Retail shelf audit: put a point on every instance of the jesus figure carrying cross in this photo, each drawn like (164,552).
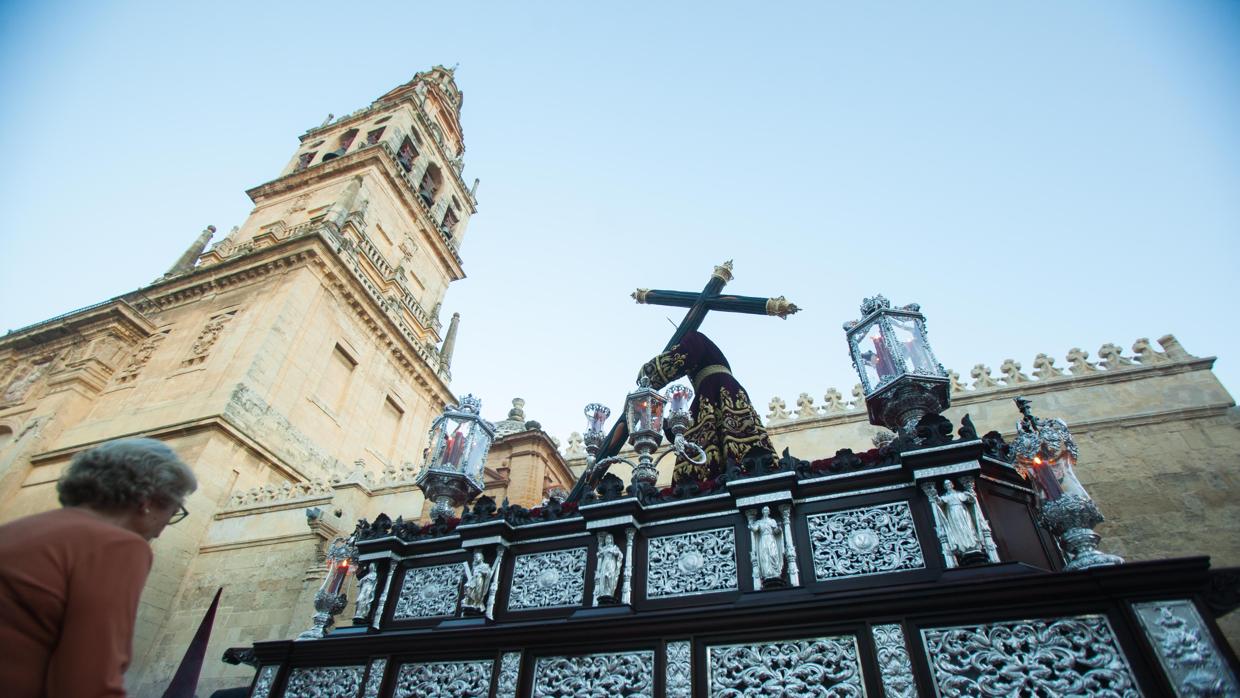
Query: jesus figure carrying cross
(725,423)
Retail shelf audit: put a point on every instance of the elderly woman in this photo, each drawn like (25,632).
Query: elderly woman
(71,579)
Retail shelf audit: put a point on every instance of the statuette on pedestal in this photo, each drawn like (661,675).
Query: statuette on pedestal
(957,519)
(365,593)
(477,583)
(768,549)
(607,569)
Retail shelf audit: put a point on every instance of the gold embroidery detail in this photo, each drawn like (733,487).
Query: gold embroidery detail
(709,371)
(727,430)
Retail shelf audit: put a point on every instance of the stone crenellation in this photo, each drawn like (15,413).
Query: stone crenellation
(1111,359)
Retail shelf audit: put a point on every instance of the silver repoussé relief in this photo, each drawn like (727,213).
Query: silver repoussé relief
(548,580)
(374,679)
(869,540)
(629,674)
(266,677)
(443,679)
(679,676)
(1075,656)
(1185,649)
(698,562)
(429,592)
(894,665)
(509,675)
(325,682)
(820,666)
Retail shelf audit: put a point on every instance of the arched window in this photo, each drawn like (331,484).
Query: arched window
(429,186)
(374,136)
(407,154)
(304,160)
(449,222)
(346,140)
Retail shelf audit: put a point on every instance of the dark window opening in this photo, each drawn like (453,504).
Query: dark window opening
(429,186)
(345,141)
(374,136)
(449,222)
(407,154)
(304,161)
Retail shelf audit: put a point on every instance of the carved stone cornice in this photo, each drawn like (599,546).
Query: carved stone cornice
(314,250)
(116,315)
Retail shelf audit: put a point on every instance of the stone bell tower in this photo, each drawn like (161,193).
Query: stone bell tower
(386,181)
(296,365)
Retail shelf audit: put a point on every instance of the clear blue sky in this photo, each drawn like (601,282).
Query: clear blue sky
(1038,175)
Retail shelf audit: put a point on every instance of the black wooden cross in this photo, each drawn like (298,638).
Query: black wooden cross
(698,304)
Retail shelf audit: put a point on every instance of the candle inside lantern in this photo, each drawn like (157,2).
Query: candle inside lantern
(1044,477)
(680,396)
(596,416)
(340,572)
(453,448)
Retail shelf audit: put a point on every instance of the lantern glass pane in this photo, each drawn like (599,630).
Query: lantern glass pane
(875,356)
(479,444)
(596,417)
(644,411)
(455,443)
(908,333)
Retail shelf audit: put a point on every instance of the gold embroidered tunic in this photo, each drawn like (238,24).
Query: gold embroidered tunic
(725,424)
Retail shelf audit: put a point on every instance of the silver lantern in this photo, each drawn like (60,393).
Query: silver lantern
(902,380)
(1045,454)
(460,438)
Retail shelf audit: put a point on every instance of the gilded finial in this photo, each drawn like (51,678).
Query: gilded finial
(640,295)
(724,271)
(780,307)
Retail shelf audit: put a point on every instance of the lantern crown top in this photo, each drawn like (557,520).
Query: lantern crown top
(879,303)
(870,305)
(470,404)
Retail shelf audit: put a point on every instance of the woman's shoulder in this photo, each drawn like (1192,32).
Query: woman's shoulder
(70,524)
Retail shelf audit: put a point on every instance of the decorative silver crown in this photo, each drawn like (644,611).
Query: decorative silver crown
(595,407)
(1049,436)
(870,305)
(470,404)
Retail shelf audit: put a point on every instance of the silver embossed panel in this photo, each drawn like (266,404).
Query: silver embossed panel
(1185,649)
(700,562)
(443,679)
(321,682)
(374,679)
(430,592)
(820,666)
(509,675)
(678,681)
(266,677)
(1075,656)
(869,540)
(629,674)
(894,666)
(548,580)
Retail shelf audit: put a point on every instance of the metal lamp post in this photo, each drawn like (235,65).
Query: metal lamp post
(459,441)
(644,412)
(902,380)
(1046,456)
(330,598)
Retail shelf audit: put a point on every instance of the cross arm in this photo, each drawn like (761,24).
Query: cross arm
(751,305)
